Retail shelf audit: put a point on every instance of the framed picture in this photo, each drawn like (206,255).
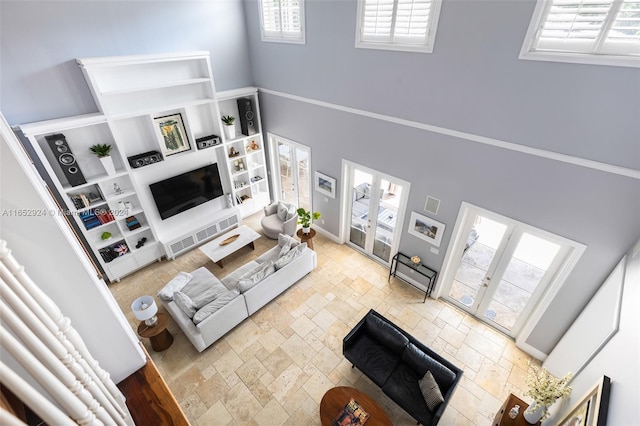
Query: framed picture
(325,184)
(592,409)
(425,228)
(174,135)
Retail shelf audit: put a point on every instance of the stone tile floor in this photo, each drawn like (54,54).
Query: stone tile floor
(274,368)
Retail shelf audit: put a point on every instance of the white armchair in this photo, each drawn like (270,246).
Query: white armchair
(279,218)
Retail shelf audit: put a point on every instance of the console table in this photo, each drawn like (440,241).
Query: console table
(420,273)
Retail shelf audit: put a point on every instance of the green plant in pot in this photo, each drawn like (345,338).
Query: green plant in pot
(103,152)
(305,217)
(229,126)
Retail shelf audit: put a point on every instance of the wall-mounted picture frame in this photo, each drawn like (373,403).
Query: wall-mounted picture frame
(325,185)
(426,228)
(592,409)
(174,134)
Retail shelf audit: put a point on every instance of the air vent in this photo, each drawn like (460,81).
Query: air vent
(432,205)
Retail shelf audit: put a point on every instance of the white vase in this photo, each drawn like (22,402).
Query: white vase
(534,413)
(230,131)
(306,230)
(107,163)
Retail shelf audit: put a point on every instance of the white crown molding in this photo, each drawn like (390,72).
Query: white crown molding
(570,159)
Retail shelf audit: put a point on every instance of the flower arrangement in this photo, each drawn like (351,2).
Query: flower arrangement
(415,259)
(545,388)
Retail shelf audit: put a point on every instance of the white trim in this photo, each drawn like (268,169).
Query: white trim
(570,159)
(537,354)
(326,233)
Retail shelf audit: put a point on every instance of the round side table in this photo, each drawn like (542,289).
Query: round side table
(307,238)
(158,335)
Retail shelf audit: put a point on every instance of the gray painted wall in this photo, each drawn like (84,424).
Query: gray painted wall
(40,40)
(591,207)
(473,81)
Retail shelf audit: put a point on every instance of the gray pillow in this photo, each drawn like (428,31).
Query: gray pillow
(291,254)
(430,391)
(185,303)
(282,211)
(254,277)
(284,239)
(212,307)
(176,284)
(285,248)
(291,211)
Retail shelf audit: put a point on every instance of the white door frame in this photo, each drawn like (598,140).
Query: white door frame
(573,249)
(345,204)
(274,164)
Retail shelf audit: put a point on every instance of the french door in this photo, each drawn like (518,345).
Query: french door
(375,211)
(503,270)
(290,162)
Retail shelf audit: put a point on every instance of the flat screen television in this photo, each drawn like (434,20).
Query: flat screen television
(187,190)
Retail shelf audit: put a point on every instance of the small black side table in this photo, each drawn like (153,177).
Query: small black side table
(420,273)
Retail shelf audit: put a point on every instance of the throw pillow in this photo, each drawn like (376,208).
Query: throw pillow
(282,211)
(209,309)
(430,391)
(291,211)
(176,284)
(248,281)
(285,248)
(291,254)
(185,303)
(284,238)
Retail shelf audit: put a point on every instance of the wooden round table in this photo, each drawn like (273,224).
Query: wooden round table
(158,335)
(336,398)
(307,238)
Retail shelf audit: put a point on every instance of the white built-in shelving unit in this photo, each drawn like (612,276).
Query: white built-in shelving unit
(132,92)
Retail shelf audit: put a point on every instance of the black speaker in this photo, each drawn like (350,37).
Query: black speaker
(144,159)
(247,116)
(66,159)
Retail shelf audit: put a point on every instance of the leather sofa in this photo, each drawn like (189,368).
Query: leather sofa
(396,362)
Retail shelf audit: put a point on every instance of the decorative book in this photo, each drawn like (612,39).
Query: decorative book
(351,415)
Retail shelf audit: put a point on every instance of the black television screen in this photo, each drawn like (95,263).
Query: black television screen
(187,190)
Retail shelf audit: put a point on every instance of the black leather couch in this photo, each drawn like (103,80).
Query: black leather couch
(395,361)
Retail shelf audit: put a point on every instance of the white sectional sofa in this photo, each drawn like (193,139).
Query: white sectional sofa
(206,308)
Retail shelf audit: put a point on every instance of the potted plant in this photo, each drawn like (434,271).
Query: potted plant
(229,127)
(305,217)
(545,389)
(105,235)
(103,151)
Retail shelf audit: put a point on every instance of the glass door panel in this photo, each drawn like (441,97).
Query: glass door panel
(285,160)
(292,160)
(483,242)
(525,270)
(302,181)
(360,205)
(386,219)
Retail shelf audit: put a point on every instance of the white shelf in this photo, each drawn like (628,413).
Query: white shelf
(154,86)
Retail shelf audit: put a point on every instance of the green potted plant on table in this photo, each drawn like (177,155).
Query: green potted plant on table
(305,217)
(103,151)
(229,126)
(545,389)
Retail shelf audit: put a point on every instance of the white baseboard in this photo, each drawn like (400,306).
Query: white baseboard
(539,355)
(327,234)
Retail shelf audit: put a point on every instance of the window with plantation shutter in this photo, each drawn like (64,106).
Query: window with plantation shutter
(408,25)
(603,32)
(282,20)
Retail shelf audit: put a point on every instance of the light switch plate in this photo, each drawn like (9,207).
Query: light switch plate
(434,250)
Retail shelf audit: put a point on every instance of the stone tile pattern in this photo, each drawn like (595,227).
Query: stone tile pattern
(274,368)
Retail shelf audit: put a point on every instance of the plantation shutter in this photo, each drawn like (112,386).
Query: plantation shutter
(590,26)
(282,18)
(400,21)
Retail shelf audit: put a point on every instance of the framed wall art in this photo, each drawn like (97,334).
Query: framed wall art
(426,228)
(592,409)
(325,185)
(174,134)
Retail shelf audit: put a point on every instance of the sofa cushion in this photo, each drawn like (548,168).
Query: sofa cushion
(402,387)
(373,359)
(283,239)
(386,334)
(269,255)
(254,276)
(430,391)
(291,254)
(213,306)
(185,303)
(231,280)
(422,362)
(176,284)
(285,248)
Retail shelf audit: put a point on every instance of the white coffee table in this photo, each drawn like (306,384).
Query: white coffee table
(217,252)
